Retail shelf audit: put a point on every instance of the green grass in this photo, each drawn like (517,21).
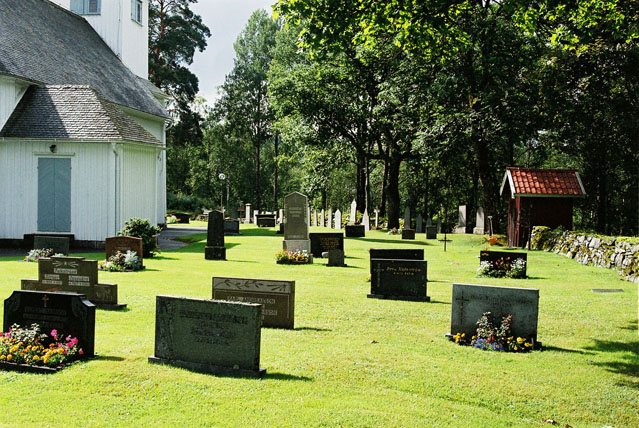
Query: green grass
(327,372)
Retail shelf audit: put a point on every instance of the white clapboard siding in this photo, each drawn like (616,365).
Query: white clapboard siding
(138,183)
(92,188)
(10,93)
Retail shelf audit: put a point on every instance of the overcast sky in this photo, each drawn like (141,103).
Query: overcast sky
(225,19)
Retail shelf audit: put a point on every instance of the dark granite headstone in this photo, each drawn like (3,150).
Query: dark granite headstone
(215,249)
(265,220)
(69,313)
(58,244)
(208,336)
(280,230)
(408,234)
(325,241)
(501,260)
(276,297)
(355,230)
(399,280)
(123,244)
(431,232)
(336,258)
(231,227)
(395,253)
(76,275)
(183,218)
(470,302)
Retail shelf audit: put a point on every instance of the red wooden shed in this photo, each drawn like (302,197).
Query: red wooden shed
(539,197)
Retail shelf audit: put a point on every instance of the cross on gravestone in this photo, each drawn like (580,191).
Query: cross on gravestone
(353,216)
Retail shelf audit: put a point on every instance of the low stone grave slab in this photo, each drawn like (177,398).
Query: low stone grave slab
(123,244)
(470,302)
(59,245)
(399,280)
(265,220)
(431,232)
(408,234)
(231,227)
(208,336)
(607,290)
(75,275)
(336,258)
(276,297)
(501,260)
(355,230)
(324,241)
(69,313)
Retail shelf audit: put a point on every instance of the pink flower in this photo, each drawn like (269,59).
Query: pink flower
(54,333)
(68,338)
(81,352)
(74,341)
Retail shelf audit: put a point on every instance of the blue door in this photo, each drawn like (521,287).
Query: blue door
(54,195)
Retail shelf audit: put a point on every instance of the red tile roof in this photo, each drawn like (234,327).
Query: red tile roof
(560,182)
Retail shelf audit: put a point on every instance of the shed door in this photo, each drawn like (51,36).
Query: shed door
(54,194)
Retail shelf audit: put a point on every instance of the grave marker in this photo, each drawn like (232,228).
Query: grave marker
(461,226)
(397,279)
(325,241)
(352,219)
(407,222)
(419,226)
(123,244)
(355,230)
(479,223)
(232,227)
(408,234)
(366,221)
(215,249)
(338,219)
(296,223)
(336,258)
(59,244)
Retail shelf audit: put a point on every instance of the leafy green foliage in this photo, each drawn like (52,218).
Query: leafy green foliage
(142,228)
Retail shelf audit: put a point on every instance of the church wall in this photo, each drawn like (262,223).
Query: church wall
(138,183)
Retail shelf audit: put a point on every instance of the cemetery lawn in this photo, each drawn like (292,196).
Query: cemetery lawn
(351,361)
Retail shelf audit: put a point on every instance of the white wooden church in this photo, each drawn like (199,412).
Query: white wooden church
(82,130)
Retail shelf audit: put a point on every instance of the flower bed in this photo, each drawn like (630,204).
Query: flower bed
(293,257)
(26,349)
(39,253)
(122,262)
(502,268)
(493,337)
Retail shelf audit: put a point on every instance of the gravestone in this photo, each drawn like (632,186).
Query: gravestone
(308,216)
(395,253)
(325,241)
(439,226)
(501,260)
(255,213)
(280,230)
(296,223)
(276,297)
(470,302)
(208,336)
(321,219)
(231,227)
(247,218)
(329,218)
(366,221)
(355,230)
(336,258)
(183,218)
(398,279)
(352,219)
(69,313)
(215,249)
(429,222)
(123,244)
(408,234)
(461,225)
(59,244)
(419,226)
(280,215)
(431,232)
(479,223)
(314,217)
(338,220)
(74,275)
(407,222)
(376,218)
(265,220)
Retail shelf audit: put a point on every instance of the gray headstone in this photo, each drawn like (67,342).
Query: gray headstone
(431,232)
(338,220)
(59,244)
(247,214)
(321,218)
(470,302)
(276,297)
(69,313)
(280,215)
(355,231)
(353,215)
(429,222)
(398,279)
(461,222)
(308,216)
(335,258)
(208,336)
(376,218)
(366,221)
(296,223)
(255,213)
(419,227)
(479,223)
(231,227)
(408,234)
(314,217)
(407,222)
(329,218)
(215,249)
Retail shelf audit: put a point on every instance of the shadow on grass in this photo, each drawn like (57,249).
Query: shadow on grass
(312,329)
(399,241)
(259,232)
(565,350)
(628,365)
(533,277)
(160,256)
(632,326)
(284,376)
(439,302)
(108,309)
(198,247)
(108,358)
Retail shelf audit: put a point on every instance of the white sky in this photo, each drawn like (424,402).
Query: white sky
(225,19)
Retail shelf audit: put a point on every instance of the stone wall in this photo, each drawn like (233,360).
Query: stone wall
(619,253)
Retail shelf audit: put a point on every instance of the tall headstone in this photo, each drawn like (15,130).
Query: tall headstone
(321,218)
(208,336)
(366,221)
(247,214)
(277,297)
(470,302)
(461,224)
(296,223)
(419,227)
(329,218)
(308,216)
(479,223)
(338,220)
(69,313)
(280,215)
(407,222)
(429,222)
(376,218)
(215,249)
(255,213)
(315,217)
(352,219)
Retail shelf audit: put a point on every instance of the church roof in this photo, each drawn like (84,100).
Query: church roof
(543,182)
(72,112)
(45,43)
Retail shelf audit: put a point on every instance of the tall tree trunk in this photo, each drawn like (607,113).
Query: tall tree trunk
(425,208)
(392,188)
(382,208)
(277,144)
(324,199)
(487,180)
(258,199)
(360,192)
(368,182)
(602,194)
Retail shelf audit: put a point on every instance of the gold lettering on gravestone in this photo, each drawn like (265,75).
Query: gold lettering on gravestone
(65,271)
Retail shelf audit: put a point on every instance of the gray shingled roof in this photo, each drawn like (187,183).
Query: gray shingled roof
(76,112)
(43,42)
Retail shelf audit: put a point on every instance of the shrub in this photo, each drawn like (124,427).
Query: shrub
(142,228)
(171,219)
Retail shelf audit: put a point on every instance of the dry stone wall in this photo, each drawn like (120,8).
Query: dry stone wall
(619,253)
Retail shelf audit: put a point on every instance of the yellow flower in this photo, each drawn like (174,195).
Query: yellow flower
(515,348)
(520,340)
(528,344)
(463,335)
(36,358)
(9,357)
(2,357)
